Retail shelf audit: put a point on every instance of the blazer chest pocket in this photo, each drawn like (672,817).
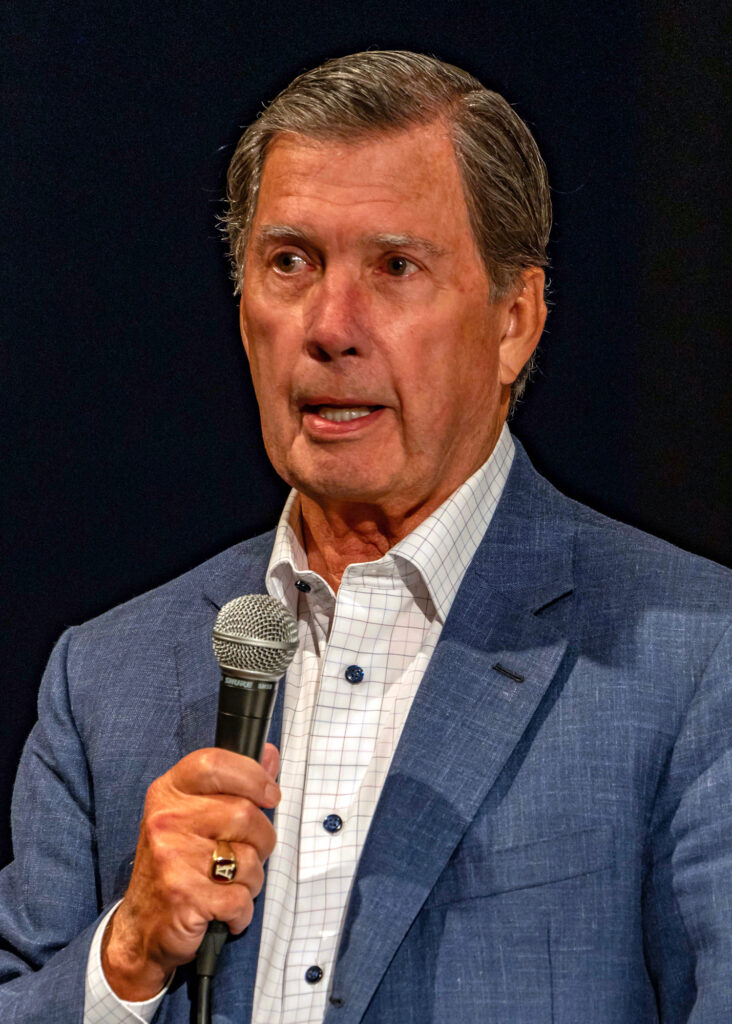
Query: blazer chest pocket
(475,872)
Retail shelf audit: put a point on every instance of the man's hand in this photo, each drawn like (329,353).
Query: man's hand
(210,794)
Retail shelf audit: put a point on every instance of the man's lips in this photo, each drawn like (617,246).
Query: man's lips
(335,419)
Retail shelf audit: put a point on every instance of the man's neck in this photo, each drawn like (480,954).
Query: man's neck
(340,533)
(348,534)
(333,542)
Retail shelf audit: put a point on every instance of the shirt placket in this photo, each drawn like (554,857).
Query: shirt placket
(343,738)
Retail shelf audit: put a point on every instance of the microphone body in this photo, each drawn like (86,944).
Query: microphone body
(245,711)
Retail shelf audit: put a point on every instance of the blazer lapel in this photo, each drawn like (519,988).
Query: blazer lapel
(238,572)
(241,570)
(493,665)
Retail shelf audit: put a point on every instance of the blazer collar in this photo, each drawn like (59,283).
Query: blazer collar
(239,570)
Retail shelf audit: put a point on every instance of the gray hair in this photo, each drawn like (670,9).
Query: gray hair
(504,178)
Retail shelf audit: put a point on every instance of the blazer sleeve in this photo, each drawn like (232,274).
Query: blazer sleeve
(49,894)
(688,892)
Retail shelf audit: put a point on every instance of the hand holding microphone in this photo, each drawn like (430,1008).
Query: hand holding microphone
(209,796)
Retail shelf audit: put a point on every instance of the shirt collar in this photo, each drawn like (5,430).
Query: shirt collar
(288,561)
(440,548)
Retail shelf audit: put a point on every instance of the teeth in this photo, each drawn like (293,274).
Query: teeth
(340,415)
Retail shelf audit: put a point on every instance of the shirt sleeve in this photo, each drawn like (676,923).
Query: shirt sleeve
(101,1005)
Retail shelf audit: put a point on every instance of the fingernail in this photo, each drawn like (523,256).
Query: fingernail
(272,793)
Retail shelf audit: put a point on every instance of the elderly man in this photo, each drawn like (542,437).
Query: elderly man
(504,787)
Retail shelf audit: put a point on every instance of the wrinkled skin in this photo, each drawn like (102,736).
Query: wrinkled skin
(363,288)
(208,795)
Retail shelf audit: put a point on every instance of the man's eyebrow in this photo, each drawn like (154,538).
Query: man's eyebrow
(388,241)
(269,233)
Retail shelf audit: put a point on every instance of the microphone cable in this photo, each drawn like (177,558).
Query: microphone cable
(206,963)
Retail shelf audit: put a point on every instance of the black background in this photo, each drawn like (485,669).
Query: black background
(130,435)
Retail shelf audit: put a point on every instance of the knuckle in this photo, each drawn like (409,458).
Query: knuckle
(202,761)
(245,910)
(154,794)
(153,788)
(252,859)
(158,823)
(244,817)
(249,862)
(166,852)
(256,879)
(209,766)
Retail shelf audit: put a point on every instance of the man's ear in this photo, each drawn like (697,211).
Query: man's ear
(526,315)
(242,328)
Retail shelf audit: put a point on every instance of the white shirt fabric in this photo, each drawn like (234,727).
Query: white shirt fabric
(338,737)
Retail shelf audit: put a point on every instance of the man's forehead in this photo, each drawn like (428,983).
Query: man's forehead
(419,156)
(404,183)
(331,143)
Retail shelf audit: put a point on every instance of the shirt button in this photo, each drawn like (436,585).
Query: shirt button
(302,586)
(333,823)
(354,674)
(313,974)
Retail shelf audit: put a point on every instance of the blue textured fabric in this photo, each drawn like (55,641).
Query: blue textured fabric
(554,839)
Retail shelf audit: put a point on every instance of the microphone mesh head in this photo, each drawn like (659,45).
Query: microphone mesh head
(255,633)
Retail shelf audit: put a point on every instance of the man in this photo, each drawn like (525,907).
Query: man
(504,787)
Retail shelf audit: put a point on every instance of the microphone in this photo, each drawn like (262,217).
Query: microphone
(254,640)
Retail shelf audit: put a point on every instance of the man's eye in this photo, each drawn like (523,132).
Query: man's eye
(399,266)
(288,262)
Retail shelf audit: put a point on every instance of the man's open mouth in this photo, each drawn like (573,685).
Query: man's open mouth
(341,413)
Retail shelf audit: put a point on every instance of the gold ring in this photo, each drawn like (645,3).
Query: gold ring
(223,863)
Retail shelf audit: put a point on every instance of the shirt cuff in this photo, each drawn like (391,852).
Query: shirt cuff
(101,1005)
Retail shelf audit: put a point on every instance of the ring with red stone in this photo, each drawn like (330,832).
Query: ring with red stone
(223,863)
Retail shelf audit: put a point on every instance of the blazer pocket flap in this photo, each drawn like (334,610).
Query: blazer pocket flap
(474,873)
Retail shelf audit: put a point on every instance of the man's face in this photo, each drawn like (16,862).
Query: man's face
(367,321)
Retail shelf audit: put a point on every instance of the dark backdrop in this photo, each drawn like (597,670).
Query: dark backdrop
(130,435)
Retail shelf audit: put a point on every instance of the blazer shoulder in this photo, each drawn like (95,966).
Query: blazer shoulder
(238,570)
(630,559)
(618,568)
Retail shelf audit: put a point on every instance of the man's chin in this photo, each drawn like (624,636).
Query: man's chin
(335,475)
(344,489)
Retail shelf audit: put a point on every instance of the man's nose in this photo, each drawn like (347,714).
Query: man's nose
(336,317)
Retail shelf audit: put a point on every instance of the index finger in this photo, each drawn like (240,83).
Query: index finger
(213,770)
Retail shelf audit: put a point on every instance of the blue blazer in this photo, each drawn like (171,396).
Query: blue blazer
(554,838)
